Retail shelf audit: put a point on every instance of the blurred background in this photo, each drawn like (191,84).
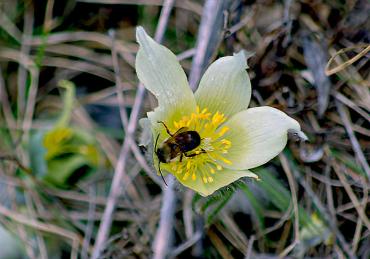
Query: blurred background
(74,182)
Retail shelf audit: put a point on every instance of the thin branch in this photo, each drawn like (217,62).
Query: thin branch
(163,236)
(210,23)
(25,50)
(40,240)
(90,224)
(8,26)
(121,104)
(250,247)
(355,144)
(188,243)
(7,111)
(292,186)
(209,35)
(120,174)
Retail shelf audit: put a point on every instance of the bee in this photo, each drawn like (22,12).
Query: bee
(178,144)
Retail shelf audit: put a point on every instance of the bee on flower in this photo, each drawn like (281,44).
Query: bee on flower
(208,139)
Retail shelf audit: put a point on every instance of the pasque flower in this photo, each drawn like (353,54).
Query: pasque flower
(233,138)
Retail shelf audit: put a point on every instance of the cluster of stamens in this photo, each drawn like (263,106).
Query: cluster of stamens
(210,152)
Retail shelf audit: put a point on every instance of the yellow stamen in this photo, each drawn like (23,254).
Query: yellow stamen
(226,142)
(186,176)
(223,131)
(205,179)
(188,165)
(209,155)
(226,161)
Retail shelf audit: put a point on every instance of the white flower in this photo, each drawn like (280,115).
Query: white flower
(233,138)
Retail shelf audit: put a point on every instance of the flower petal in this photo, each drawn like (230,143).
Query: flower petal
(161,73)
(225,86)
(257,135)
(220,179)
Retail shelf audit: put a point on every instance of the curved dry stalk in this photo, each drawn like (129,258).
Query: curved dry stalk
(186,5)
(347,63)
(80,66)
(124,48)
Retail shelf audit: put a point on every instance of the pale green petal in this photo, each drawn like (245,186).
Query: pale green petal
(161,73)
(225,86)
(257,135)
(220,179)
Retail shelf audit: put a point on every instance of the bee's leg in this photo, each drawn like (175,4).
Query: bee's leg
(181,156)
(190,155)
(202,151)
(168,131)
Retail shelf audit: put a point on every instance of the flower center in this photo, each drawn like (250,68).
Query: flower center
(204,160)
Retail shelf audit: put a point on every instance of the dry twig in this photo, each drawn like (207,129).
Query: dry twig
(119,174)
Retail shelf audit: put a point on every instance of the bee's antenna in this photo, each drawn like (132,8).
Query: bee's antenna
(156,141)
(159,162)
(160,171)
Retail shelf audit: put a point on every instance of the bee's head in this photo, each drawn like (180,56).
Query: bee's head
(163,154)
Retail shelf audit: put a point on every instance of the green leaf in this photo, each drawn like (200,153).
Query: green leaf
(59,170)
(221,203)
(212,205)
(255,203)
(278,194)
(350,163)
